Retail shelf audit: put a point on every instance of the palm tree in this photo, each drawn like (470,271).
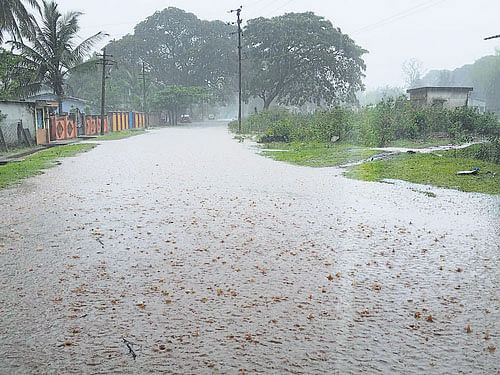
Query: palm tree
(52,51)
(14,17)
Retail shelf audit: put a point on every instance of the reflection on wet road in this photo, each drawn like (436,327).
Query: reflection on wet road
(187,249)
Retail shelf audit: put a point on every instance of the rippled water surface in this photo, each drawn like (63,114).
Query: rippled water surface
(207,258)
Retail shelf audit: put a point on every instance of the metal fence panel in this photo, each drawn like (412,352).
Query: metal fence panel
(9,130)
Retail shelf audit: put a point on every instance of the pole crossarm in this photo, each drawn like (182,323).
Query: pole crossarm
(492,37)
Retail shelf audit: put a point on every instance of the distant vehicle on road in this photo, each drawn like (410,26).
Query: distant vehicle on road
(211,116)
(185,119)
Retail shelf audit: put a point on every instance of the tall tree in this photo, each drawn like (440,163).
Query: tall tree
(413,70)
(52,50)
(14,17)
(175,98)
(298,58)
(182,50)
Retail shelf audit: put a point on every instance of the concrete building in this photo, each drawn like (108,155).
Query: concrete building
(31,115)
(446,97)
(17,112)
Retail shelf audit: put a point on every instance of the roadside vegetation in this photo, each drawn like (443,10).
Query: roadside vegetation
(341,136)
(315,154)
(431,169)
(14,172)
(121,134)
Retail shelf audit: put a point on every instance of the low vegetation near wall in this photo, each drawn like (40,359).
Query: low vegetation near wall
(373,126)
(306,139)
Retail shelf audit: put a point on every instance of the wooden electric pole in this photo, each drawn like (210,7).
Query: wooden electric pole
(238,15)
(143,76)
(104,62)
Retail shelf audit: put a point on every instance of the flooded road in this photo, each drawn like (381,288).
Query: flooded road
(187,251)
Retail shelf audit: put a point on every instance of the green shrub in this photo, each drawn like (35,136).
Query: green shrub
(374,126)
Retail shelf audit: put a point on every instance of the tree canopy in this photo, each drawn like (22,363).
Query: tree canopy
(483,75)
(13,76)
(51,49)
(15,18)
(298,58)
(181,50)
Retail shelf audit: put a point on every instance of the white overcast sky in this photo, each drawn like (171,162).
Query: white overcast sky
(443,34)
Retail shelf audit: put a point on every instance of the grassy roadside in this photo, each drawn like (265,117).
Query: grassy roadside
(430,169)
(12,173)
(19,150)
(121,134)
(317,154)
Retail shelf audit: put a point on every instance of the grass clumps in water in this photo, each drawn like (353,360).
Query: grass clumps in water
(317,154)
(430,169)
(13,172)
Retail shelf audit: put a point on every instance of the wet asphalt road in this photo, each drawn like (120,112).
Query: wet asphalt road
(207,258)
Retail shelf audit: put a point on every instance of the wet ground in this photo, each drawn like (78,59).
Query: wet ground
(187,250)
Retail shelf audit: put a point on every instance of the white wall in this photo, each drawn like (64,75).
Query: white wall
(452,99)
(17,111)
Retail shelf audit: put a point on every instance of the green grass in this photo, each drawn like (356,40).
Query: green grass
(430,169)
(18,150)
(317,154)
(13,172)
(121,134)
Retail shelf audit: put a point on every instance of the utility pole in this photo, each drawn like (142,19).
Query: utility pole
(238,15)
(104,62)
(143,76)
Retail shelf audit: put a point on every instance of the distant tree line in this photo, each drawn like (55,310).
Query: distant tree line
(483,75)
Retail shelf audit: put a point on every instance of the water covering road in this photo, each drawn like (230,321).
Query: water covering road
(207,258)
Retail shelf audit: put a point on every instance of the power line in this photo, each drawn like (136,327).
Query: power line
(400,15)
(279,7)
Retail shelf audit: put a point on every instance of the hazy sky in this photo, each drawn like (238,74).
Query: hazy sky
(443,34)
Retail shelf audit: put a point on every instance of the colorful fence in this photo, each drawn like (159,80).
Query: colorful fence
(61,127)
(93,125)
(126,120)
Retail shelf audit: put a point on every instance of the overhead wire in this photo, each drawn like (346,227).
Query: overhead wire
(398,16)
(288,2)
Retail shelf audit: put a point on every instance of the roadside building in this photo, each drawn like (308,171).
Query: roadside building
(69,103)
(446,97)
(19,115)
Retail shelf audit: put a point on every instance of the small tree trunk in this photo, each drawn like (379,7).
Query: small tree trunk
(59,104)
(267,104)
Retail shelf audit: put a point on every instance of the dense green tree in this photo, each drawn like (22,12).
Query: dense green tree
(124,86)
(14,17)
(183,50)
(13,76)
(173,99)
(298,58)
(51,49)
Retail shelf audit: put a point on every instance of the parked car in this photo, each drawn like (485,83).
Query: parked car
(211,116)
(185,118)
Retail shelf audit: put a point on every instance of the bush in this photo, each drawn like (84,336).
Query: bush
(375,126)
